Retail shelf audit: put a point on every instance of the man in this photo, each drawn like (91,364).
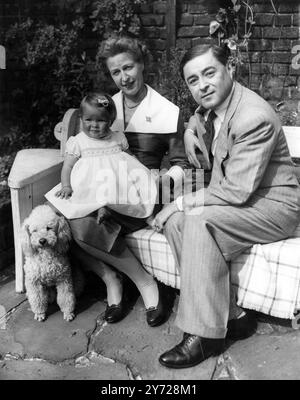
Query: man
(253,197)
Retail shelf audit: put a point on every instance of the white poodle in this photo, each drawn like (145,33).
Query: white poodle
(45,241)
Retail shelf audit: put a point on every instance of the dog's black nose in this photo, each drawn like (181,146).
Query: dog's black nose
(42,241)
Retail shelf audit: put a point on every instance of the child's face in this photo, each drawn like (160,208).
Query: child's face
(95,123)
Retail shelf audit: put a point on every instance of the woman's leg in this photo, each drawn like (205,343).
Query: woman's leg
(123,260)
(107,274)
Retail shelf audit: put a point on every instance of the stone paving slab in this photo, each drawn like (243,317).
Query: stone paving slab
(133,342)
(9,299)
(267,357)
(55,339)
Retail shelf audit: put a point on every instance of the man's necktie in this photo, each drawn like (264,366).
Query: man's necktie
(210,132)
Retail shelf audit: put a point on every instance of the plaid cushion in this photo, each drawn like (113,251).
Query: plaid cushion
(266,277)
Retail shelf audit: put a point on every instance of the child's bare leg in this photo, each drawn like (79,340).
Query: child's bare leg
(107,274)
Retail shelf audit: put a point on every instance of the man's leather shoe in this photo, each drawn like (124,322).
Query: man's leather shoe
(241,328)
(158,315)
(191,351)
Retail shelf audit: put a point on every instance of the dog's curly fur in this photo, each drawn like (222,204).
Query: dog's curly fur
(45,241)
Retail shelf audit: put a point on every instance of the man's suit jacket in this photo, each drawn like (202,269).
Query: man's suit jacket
(252,165)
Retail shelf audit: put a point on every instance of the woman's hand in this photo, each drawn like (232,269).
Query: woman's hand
(65,192)
(161,218)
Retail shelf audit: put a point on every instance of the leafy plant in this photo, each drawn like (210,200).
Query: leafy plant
(53,70)
(171,85)
(116,16)
(233,27)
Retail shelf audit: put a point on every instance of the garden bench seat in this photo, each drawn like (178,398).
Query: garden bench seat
(260,283)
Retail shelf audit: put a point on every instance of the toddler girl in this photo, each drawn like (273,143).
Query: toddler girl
(97,170)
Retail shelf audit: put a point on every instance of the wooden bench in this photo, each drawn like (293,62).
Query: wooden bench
(35,171)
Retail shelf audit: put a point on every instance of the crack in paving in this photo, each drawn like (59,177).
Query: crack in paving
(98,329)
(6,317)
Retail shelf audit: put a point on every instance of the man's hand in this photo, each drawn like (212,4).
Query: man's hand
(191,142)
(161,218)
(65,192)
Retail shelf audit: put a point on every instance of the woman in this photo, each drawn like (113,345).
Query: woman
(152,127)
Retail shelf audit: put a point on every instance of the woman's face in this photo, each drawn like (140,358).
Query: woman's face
(95,123)
(126,73)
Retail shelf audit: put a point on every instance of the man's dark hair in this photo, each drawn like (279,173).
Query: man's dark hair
(221,53)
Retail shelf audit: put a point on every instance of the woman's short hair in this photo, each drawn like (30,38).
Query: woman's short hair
(102,101)
(221,53)
(124,44)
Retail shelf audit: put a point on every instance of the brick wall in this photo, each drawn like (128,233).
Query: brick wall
(270,47)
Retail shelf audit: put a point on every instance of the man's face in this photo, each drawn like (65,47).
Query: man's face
(208,80)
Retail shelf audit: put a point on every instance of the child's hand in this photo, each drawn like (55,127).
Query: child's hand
(65,192)
(102,215)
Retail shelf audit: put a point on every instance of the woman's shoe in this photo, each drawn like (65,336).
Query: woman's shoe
(158,315)
(117,312)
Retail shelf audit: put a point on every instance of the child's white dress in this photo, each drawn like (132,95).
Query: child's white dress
(105,175)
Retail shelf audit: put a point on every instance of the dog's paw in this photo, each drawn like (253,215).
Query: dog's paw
(40,317)
(69,316)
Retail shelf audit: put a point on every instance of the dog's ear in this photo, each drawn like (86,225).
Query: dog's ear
(63,235)
(25,239)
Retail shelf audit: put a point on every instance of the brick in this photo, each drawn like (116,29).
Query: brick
(280,69)
(289,7)
(283,44)
(152,20)
(203,19)
(263,8)
(157,44)
(256,32)
(183,44)
(207,40)
(278,57)
(192,31)
(255,57)
(146,8)
(288,33)
(159,7)
(285,20)
(186,19)
(264,19)
(260,45)
(10,9)
(290,81)
(197,8)
(294,71)
(155,32)
(296,19)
